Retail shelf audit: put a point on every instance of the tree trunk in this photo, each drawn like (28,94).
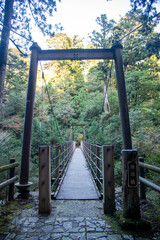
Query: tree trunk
(8,12)
(106,103)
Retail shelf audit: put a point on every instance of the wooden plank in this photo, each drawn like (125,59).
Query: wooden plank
(75,54)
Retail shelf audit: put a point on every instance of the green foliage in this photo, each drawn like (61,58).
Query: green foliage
(25,12)
(141,86)
(134,44)
(92,107)
(76,90)
(147,5)
(101,39)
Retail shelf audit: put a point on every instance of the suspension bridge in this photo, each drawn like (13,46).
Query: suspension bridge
(99,159)
(87,172)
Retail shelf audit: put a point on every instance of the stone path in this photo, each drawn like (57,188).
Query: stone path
(77,183)
(82,228)
(69,220)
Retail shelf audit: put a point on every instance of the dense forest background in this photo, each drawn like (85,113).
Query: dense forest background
(86,92)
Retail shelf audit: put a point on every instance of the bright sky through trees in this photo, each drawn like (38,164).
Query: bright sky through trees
(78,16)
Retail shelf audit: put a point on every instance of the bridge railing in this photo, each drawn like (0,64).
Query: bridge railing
(60,156)
(93,155)
(101,162)
(144,182)
(53,162)
(12,178)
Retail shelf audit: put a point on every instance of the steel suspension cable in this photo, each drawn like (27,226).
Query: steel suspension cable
(126,35)
(56,123)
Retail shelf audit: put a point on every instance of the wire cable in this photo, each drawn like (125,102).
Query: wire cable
(51,103)
(126,35)
(2,24)
(24,54)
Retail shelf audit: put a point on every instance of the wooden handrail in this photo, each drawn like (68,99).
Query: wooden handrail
(144,182)
(12,178)
(149,167)
(8,182)
(9,166)
(150,184)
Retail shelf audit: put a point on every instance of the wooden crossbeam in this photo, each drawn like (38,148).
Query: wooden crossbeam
(75,54)
(77,125)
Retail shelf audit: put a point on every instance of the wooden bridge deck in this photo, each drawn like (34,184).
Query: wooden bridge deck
(78,183)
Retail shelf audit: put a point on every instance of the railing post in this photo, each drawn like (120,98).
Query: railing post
(57,164)
(90,149)
(66,151)
(108,180)
(130,179)
(92,158)
(84,134)
(44,180)
(82,144)
(142,185)
(62,155)
(11,186)
(98,166)
(71,134)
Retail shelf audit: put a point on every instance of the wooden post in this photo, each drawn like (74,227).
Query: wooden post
(67,152)
(108,180)
(44,180)
(90,155)
(11,186)
(98,166)
(92,159)
(130,179)
(27,132)
(57,164)
(71,134)
(62,150)
(123,105)
(142,185)
(84,134)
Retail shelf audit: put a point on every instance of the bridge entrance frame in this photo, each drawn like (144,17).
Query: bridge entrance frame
(131,193)
(77,125)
